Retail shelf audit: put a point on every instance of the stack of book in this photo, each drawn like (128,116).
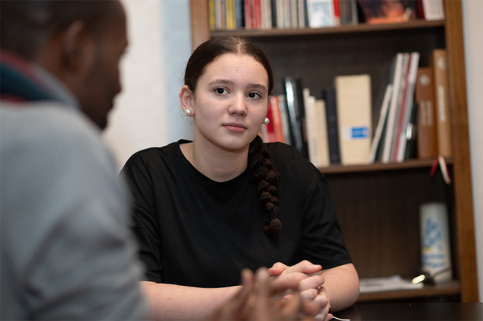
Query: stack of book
(336,127)
(267,14)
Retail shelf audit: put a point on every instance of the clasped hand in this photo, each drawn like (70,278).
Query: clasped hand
(263,298)
(311,285)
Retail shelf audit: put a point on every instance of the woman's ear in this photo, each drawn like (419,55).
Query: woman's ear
(78,48)
(186,98)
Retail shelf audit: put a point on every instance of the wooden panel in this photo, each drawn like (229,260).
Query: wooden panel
(200,29)
(461,151)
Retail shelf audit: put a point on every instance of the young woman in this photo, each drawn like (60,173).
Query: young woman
(205,209)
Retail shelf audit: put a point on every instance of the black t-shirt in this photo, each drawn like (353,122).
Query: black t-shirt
(194,231)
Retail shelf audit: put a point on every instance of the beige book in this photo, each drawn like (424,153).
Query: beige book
(354,118)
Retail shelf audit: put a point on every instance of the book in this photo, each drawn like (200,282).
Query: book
(330,99)
(248,5)
(433,9)
(230,14)
(427,146)
(411,151)
(267,14)
(321,13)
(316,130)
(336,12)
(348,12)
(381,124)
(296,114)
(322,134)
(282,104)
(311,125)
(443,117)
(387,11)
(406,107)
(354,118)
(274,127)
(212,14)
(396,76)
(239,14)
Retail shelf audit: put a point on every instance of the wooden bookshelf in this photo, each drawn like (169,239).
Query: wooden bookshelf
(378,204)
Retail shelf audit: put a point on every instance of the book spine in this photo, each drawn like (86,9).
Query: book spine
(321,124)
(410,151)
(396,86)
(427,146)
(239,14)
(212,14)
(407,106)
(282,102)
(329,96)
(248,14)
(376,141)
(294,100)
(354,118)
(443,118)
(276,119)
(433,9)
(313,145)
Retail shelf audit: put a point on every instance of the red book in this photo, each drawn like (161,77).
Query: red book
(274,130)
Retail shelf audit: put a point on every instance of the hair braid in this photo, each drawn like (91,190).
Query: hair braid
(266,177)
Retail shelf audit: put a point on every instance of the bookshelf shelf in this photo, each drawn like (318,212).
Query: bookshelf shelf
(451,288)
(414,163)
(378,204)
(359,28)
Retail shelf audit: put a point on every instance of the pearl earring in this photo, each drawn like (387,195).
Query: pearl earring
(187,112)
(267,121)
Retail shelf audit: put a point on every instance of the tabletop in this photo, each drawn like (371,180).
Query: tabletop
(440,311)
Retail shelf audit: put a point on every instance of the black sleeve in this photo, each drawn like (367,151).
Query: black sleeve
(322,240)
(143,210)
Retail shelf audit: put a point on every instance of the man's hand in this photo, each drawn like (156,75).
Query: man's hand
(264,298)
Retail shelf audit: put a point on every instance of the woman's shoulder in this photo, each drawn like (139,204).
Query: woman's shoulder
(155,154)
(291,163)
(284,153)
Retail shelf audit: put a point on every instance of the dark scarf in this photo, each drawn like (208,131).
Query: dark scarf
(18,82)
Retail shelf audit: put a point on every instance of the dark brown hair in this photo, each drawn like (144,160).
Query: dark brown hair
(263,174)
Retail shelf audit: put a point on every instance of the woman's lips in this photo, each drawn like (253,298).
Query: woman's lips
(235,127)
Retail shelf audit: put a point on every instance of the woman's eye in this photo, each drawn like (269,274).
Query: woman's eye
(220,91)
(254,95)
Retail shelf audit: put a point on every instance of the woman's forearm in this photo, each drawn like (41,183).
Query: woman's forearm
(175,302)
(342,285)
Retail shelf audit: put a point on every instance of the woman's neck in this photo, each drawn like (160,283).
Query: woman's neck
(217,164)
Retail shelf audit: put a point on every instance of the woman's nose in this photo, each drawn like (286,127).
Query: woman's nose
(238,105)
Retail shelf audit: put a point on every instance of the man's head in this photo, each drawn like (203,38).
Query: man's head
(80,42)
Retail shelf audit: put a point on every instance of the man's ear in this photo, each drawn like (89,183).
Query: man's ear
(186,98)
(77,48)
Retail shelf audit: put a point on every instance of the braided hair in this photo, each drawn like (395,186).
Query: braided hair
(264,175)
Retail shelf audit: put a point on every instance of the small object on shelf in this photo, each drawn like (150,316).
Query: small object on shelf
(392,283)
(435,245)
(388,11)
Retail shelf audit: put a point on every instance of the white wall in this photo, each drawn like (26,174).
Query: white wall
(473,28)
(148,112)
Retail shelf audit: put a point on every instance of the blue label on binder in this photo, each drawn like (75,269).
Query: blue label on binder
(359,132)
